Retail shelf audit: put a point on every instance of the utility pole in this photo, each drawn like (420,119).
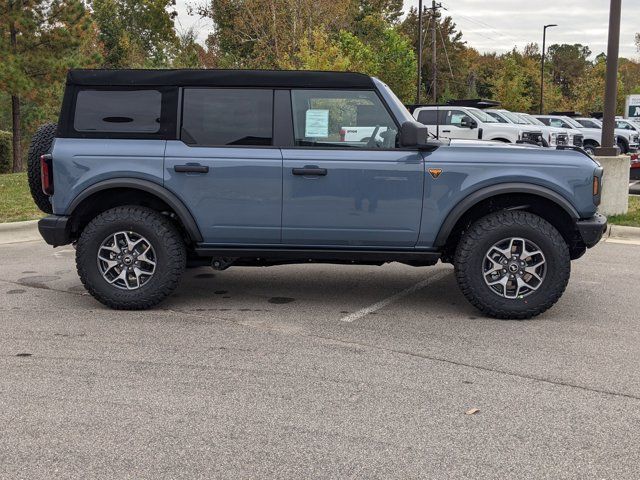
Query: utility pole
(607,147)
(544,46)
(434,59)
(434,68)
(419,52)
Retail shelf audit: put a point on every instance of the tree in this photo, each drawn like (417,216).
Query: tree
(136,33)
(568,64)
(39,41)
(269,33)
(453,67)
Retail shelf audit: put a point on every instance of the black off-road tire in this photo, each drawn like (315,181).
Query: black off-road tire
(41,143)
(163,235)
(623,145)
(493,228)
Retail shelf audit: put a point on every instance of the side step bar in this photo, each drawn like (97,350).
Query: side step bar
(304,254)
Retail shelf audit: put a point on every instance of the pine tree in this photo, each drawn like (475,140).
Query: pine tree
(39,41)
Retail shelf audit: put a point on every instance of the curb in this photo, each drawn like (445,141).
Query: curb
(622,234)
(14,232)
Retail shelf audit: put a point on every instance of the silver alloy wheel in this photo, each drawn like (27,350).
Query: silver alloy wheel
(126,260)
(514,268)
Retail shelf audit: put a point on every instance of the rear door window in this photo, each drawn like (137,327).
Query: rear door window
(225,116)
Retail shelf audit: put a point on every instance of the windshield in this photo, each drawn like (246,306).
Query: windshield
(515,118)
(589,122)
(532,120)
(498,117)
(572,122)
(482,116)
(394,102)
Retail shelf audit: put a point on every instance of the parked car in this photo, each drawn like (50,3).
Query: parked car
(634,174)
(472,123)
(576,136)
(549,134)
(559,136)
(149,171)
(633,130)
(626,140)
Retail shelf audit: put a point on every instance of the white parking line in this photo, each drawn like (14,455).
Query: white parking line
(394,298)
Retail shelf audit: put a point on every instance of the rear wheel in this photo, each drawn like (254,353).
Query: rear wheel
(512,265)
(130,257)
(41,143)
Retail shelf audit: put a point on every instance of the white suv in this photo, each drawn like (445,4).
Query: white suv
(455,122)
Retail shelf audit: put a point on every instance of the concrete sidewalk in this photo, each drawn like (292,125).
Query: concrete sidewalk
(14,232)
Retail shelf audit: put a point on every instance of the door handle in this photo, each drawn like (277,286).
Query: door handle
(446,131)
(310,171)
(191,168)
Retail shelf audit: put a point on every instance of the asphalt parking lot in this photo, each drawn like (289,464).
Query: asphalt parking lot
(317,371)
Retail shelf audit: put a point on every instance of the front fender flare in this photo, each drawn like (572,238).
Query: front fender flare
(479,195)
(155,189)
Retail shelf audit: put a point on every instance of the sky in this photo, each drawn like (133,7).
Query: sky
(499,25)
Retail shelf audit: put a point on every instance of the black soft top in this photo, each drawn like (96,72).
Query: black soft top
(220,78)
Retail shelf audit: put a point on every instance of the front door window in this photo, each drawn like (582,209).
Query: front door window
(342,119)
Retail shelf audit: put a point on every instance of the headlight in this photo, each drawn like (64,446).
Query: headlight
(553,138)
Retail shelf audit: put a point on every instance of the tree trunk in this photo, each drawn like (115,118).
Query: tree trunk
(17,149)
(15,103)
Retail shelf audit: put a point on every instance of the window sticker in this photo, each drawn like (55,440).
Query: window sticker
(317,123)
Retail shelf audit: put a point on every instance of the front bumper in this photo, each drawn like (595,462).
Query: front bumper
(55,229)
(592,229)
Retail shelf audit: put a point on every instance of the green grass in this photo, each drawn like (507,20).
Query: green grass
(15,199)
(632,217)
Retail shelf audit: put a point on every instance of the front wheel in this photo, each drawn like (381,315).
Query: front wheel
(590,148)
(512,265)
(130,258)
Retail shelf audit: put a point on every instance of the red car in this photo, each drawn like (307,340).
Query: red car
(635,167)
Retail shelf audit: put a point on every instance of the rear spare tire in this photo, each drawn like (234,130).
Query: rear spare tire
(41,143)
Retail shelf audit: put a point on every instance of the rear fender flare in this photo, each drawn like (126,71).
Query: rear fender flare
(159,191)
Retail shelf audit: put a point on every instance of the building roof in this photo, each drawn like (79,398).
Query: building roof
(220,78)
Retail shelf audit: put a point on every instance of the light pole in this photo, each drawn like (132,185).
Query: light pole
(544,45)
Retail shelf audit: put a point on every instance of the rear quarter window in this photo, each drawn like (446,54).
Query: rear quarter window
(134,111)
(118,112)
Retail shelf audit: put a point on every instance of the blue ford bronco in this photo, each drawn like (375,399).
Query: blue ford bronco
(148,172)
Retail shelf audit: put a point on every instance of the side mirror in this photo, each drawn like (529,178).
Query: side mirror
(413,134)
(467,122)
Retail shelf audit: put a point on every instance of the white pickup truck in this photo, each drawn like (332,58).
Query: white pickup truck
(552,136)
(576,136)
(457,122)
(626,138)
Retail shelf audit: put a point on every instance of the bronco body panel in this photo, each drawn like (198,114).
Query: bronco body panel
(367,198)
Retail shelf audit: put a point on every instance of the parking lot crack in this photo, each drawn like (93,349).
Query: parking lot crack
(477,367)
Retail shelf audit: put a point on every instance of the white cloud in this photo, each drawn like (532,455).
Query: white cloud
(499,25)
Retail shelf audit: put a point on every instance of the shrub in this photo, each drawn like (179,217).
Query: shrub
(6,161)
